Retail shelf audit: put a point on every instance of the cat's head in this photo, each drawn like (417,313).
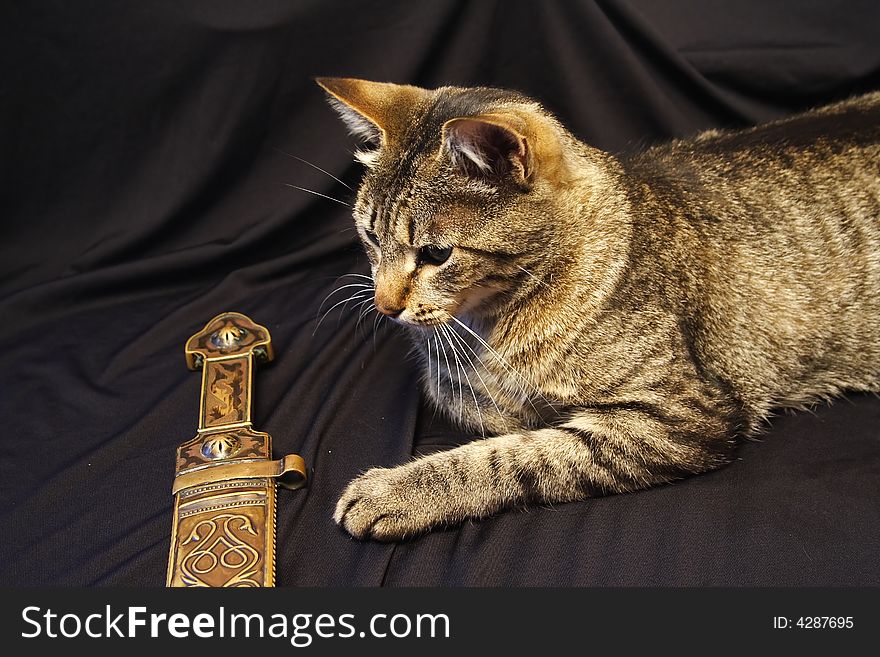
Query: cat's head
(466,190)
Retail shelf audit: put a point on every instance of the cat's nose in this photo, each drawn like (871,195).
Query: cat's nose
(390,311)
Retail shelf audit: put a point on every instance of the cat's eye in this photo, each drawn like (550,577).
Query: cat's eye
(372,237)
(432,254)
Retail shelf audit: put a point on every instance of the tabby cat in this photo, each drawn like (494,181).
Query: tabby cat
(614,322)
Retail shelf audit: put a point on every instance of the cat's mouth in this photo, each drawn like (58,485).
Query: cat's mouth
(469,301)
(424,315)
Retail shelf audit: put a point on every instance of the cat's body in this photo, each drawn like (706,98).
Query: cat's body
(614,323)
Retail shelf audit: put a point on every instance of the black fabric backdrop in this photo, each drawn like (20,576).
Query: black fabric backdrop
(142,192)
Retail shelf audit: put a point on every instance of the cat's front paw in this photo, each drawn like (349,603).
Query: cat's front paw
(386,504)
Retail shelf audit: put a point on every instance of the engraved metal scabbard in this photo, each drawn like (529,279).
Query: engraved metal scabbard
(225,482)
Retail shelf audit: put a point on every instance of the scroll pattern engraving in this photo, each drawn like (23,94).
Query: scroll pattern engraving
(222,548)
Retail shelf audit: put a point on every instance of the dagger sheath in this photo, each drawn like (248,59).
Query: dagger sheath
(225,484)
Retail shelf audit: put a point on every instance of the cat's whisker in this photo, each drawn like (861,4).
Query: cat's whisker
(449,370)
(339,289)
(437,346)
(447,330)
(364,294)
(314,166)
(377,324)
(364,312)
(369,278)
(312,191)
(509,368)
(476,371)
(354,297)
(350,299)
(488,348)
(428,348)
(458,377)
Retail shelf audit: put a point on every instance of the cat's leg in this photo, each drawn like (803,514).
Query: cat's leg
(609,449)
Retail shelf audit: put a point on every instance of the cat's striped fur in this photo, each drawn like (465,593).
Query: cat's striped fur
(614,323)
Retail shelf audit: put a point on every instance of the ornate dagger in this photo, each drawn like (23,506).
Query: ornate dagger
(225,483)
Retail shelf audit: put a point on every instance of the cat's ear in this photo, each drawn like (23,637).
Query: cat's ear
(374,111)
(488,146)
